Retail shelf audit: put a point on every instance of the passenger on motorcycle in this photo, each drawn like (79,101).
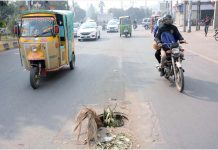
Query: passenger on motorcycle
(170,29)
(155,46)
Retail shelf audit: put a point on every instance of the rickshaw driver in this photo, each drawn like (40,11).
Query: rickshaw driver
(41,27)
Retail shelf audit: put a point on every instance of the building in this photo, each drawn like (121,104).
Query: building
(200,9)
(42,5)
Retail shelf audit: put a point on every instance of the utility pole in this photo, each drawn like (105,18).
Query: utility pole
(184,13)
(167,7)
(215,23)
(198,16)
(171,7)
(190,16)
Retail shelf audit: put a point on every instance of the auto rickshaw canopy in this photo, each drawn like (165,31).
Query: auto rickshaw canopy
(66,27)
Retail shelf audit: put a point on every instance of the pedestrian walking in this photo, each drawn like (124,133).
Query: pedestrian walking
(207,21)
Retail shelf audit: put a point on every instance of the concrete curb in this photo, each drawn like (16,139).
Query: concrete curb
(4,46)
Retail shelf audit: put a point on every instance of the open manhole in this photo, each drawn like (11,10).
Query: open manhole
(113,119)
(109,118)
(118,120)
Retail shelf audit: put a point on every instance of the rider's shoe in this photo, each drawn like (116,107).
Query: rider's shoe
(161,72)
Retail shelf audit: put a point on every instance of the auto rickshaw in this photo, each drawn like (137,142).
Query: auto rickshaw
(125,26)
(46,42)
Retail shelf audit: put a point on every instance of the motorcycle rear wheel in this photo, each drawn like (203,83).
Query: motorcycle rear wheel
(179,79)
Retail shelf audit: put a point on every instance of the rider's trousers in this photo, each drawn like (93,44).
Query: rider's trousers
(163,57)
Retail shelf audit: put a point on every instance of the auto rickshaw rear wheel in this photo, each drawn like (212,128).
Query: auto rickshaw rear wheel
(72,62)
(34,77)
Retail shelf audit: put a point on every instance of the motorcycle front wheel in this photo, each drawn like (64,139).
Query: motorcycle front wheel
(34,77)
(179,79)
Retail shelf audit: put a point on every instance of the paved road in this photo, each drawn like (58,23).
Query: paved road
(109,68)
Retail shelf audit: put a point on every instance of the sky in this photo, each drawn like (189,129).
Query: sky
(84,4)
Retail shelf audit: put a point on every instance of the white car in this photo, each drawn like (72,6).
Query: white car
(146,22)
(88,30)
(112,26)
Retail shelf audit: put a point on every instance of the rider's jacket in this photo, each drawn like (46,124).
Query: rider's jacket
(168,28)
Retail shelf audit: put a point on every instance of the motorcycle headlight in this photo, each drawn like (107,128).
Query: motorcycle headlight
(175,50)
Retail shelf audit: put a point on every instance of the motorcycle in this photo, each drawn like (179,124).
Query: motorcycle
(173,64)
(147,27)
(134,26)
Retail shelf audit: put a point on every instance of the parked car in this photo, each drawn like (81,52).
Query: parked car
(90,20)
(112,26)
(75,28)
(88,30)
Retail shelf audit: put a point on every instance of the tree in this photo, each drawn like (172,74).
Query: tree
(91,12)
(116,12)
(101,6)
(134,13)
(79,13)
(6,9)
(8,14)
(148,12)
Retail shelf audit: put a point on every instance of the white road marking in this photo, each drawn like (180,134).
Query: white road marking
(205,57)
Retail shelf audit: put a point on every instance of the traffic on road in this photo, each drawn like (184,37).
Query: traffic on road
(161,80)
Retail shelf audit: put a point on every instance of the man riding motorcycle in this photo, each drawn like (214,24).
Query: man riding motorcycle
(167,27)
(135,24)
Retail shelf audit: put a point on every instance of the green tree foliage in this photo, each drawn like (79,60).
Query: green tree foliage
(134,13)
(43,5)
(6,9)
(117,12)
(8,15)
(59,5)
(148,12)
(91,13)
(101,6)
(80,14)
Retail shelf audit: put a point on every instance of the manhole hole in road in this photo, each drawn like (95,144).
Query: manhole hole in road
(113,119)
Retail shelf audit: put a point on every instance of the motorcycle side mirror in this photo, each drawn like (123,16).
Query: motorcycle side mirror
(56,29)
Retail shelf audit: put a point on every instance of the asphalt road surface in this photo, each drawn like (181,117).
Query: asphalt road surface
(105,69)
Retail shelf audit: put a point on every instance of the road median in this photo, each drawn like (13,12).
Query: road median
(7,45)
